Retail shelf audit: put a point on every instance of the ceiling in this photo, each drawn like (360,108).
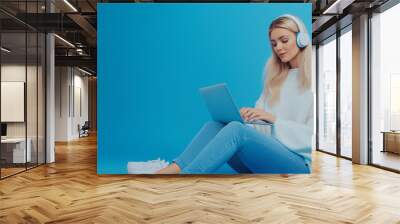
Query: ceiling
(76,22)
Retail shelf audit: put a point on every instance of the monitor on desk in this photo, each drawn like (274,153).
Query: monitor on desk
(3,130)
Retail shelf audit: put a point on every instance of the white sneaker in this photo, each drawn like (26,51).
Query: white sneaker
(148,167)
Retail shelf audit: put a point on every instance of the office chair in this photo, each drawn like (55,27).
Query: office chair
(84,130)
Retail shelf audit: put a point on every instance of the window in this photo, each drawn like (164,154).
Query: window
(394,102)
(346,93)
(385,88)
(327,96)
(313,81)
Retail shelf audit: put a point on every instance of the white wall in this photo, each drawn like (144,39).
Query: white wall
(70,83)
(62,81)
(33,127)
(12,73)
(79,117)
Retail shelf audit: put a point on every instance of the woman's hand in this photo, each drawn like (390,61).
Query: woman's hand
(249,114)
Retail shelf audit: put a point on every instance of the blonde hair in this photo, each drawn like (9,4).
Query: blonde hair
(276,71)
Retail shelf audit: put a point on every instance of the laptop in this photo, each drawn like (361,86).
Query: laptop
(221,106)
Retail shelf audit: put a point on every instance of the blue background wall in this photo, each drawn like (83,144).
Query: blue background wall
(153,58)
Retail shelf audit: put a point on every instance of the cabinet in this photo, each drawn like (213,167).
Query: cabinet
(391,142)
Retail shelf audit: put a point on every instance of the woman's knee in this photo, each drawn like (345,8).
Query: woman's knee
(213,124)
(235,125)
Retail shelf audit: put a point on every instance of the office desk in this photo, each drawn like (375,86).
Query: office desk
(13,150)
(391,141)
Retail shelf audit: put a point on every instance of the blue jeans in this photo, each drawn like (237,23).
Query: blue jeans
(244,148)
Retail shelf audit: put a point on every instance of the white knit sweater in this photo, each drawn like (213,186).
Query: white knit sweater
(294,114)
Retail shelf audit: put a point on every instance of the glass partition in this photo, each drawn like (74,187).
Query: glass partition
(22,88)
(327,96)
(314,89)
(385,89)
(14,153)
(41,87)
(32,95)
(346,93)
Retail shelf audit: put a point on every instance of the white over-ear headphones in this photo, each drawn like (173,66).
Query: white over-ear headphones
(302,39)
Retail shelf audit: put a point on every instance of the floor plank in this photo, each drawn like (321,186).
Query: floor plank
(70,191)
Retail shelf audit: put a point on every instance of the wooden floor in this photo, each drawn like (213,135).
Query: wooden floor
(70,191)
(5,172)
(387,159)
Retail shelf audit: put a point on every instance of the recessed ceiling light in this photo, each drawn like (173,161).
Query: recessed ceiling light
(338,6)
(84,71)
(70,5)
(5,50)
(334,8)
(65,41)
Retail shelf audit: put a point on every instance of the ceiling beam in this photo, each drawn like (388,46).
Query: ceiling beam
(82,61)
